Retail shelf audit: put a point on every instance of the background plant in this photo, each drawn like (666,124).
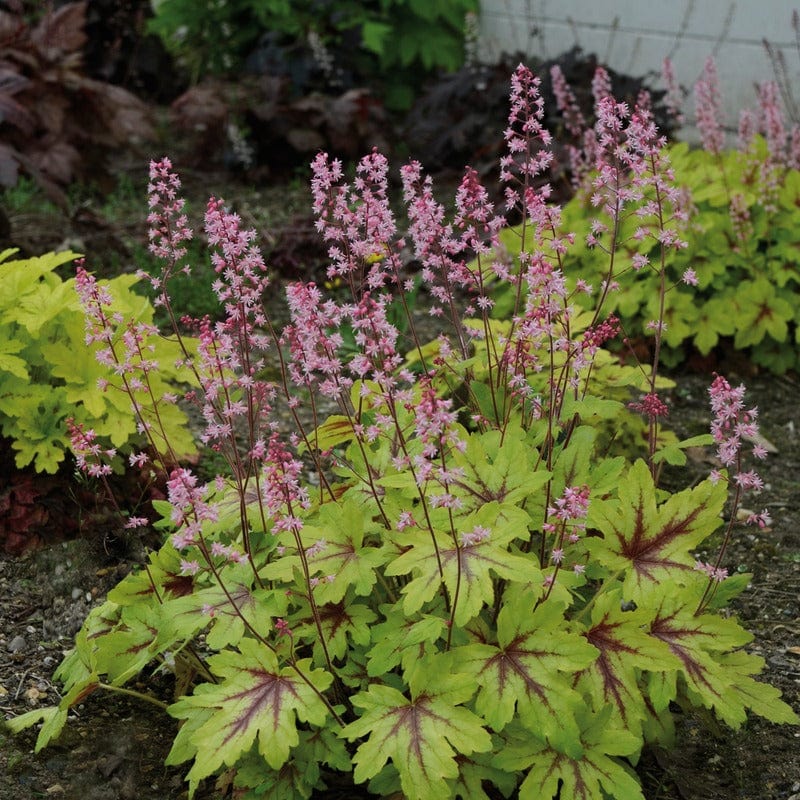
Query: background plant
(736,279)
(468,594)
(48,375)
(46,97)
(387,45)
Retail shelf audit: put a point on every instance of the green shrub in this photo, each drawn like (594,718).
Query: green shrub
(391,44)
(48,374)
(743,246)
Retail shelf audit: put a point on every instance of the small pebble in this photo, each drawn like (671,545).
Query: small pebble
(17,644)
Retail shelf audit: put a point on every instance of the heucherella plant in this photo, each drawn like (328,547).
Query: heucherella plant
(735,282)
(438,584)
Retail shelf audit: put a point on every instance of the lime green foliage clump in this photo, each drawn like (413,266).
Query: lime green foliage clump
(48,374)
(743,245)
(391,43)
(388,660)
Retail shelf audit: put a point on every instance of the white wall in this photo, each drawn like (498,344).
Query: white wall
(633,36)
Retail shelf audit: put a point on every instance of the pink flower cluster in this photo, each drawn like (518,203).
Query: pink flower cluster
(90,456)
(434,428)
(569,512)
(731,426)
(708,109)
(651,406)
(357,221)
(314,340)
(282,493)
(527,140)
(190,509)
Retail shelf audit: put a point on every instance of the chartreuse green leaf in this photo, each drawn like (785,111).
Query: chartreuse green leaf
(759,697)
(54,717)
(478,770)
(576,465)
(529,673)
(341,623)
(716,675)
(625,650)
(256,702)
(467,568)
(22,276)
(77,672)
(652,544)
(498,467)
(142,633)
(422,735)
(334,432)
(675,454)
(35,422)
(344,556)
(48,374)
(9,362)
(761,312)
(301,775)
(589,771)
(401,639)
(162,579)
(224,611)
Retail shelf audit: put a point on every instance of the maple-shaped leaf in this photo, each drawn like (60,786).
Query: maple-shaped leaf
(576,465)
(340,622)
(162,578)
(625,649)
(467,569)
(299,777)
(651,543)
(256,702)
(715,676)
(142,633)
(227,611)
(531,669)
(421,735)
(760,312)
(401,639)
(53,718)
(46,301)
(474,772)
(21,277)
(9,362)
(334,432)
(759,697)
(590,772)
(345,557)
(498,467)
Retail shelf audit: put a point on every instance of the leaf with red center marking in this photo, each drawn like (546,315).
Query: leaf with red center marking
(591,772)
(717,675)
(530,669)
(467,568)
(625,649)
(343,624)
(421,736)
(345,556)
(651,543)
(256,702)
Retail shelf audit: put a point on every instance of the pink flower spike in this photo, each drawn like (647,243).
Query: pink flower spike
(689,277)
(708,109)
